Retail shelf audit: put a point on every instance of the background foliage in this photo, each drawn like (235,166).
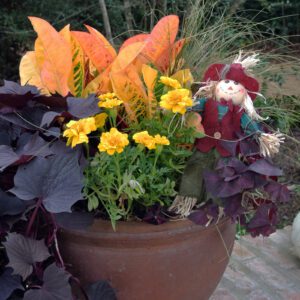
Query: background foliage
(17,36)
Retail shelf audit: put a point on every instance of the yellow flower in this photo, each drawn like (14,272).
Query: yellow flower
(109,100)
(149,141)
(177,100)
(145,139)
(170,82)
(77,131)
(113,141)
(100,120)
(161,140)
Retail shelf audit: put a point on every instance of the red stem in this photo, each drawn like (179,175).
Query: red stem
(33,216)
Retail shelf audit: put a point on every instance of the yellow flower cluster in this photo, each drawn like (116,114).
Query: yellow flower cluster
(170,82)
(109,100)
(150,141)
(77,131)
(113,141)
(176,100)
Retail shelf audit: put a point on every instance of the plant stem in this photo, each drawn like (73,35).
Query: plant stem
(117,163)
(33,216)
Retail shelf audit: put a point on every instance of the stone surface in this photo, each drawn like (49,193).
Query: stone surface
(261,269)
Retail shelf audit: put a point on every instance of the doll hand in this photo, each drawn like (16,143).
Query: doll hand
(269,143)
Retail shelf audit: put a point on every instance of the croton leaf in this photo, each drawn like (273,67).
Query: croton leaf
(101,290)
(10,205)
(83,108)
(74,220)
(56,64)
(23,252)
(56,180)
(55,286)
(9,283)
(277,191)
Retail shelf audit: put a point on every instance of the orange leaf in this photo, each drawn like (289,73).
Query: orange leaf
(57,58)
(30,72)
(95,49)
(168,56)
(99,85)
(102,38)
(150,76)
(134,39)
(162,37)
(127,56)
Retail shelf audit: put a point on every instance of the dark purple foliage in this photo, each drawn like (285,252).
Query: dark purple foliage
(101,290)
(154,215)
(232,177)
(208,212)
(233,207)
(56,180)
(24,252)
(55,286)
(83,108)
(264,221)
(9,283)
(74,220)
(277,191)
(10,205)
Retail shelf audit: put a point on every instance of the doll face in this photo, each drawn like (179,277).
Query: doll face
(230,90)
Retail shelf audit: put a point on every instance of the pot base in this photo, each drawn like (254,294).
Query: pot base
(177,260)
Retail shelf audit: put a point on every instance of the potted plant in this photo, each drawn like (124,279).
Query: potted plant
(95,145)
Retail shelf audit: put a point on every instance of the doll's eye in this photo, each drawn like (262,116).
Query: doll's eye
(235,82)
(227,81)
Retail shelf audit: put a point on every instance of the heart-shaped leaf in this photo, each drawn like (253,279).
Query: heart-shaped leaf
(83,108)
(23,252)
(9,283)
(55,287)
(56,180)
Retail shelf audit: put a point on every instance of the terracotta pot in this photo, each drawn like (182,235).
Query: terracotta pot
(177,260)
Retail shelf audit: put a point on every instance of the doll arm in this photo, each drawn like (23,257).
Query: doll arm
(249,126)
(269,143)
(199,105)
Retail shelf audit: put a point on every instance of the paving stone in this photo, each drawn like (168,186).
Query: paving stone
(261,269)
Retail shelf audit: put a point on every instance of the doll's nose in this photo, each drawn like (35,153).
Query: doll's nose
(230,88)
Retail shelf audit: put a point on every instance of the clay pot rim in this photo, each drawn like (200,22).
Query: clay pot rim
(129,231)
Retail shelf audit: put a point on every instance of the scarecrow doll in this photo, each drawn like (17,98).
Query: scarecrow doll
(225,103)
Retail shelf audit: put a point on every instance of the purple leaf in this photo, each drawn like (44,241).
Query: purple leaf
(83,108)
(230,146)
(55,286)
(28,145)
(101,290)
(23,252)
(74,220)
(10,205)
(262,166)
(48,118)
(9,283)
(56,180)
(199,217)
(278,192)
(11,87)
(264,220)
(7,156)
(249,147)
(233,207)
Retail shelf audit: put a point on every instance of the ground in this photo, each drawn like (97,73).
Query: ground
(261,269)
